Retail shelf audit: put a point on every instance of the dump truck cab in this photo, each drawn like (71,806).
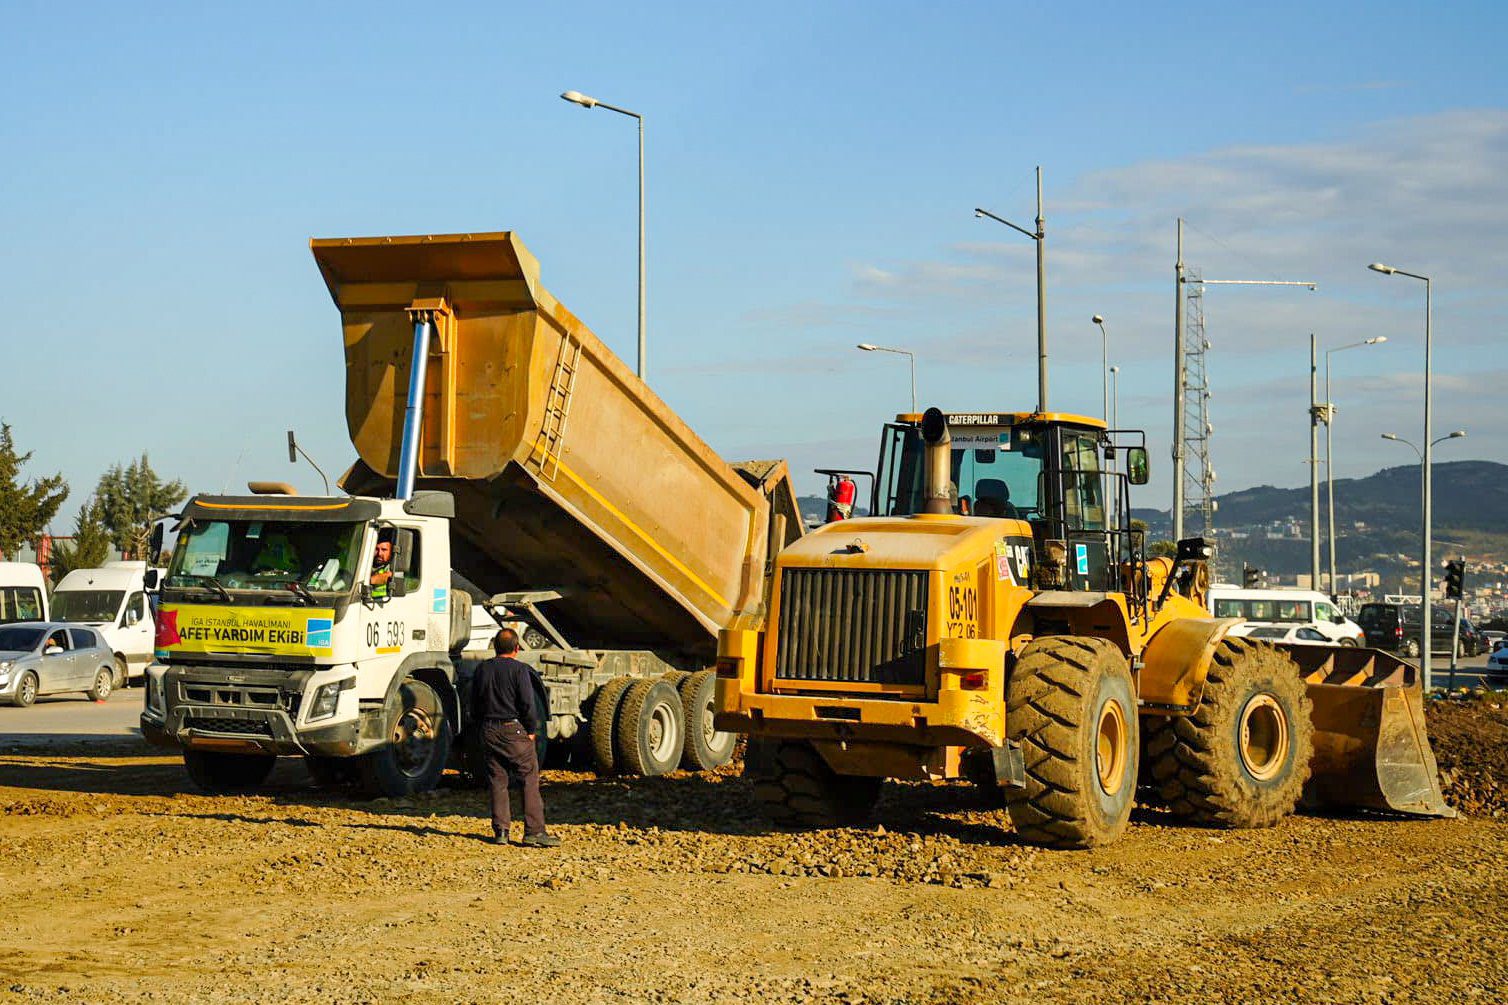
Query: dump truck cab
(318,626)
(998,619)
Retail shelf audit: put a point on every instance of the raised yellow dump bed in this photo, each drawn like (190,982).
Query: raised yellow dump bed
(569,473)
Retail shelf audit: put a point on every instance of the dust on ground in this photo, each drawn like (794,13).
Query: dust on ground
(119,883)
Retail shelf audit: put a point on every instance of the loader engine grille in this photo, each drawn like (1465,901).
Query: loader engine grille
(852,625)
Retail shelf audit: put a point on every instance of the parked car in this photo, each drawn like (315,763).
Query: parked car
(44,657)
(1395,627)
(1284,609)
(1495,639)
(112,599)
(1497,663)
(1292,633)
(1473,641)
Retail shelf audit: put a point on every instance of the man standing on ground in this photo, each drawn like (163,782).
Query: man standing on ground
(502,700)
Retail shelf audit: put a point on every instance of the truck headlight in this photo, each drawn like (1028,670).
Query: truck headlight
(154,693)
(328,697)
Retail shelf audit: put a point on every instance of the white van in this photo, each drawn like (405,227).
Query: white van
(1285,609)
(112,599)
(23,593)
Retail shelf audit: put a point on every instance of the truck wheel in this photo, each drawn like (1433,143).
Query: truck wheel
(1071,704)
(418,745)
(1241,759)
(796,789)
(216,773)
(104,679)
(26,690)
(675,678)
(651,730)
(604,722)
(705,747)
(122,672)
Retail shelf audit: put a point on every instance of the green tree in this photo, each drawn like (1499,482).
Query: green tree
(25,510)
(90,547)
(131,498)
(1162,549)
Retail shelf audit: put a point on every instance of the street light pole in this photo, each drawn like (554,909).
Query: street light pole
(1426,572)
(1314,419)
(870,347)
(1425,613)
(1104,365)
(1040,236)
(576,97)
(1115,423)
(1329,448)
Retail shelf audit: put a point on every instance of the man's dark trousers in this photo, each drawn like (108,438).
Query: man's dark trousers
(510,751)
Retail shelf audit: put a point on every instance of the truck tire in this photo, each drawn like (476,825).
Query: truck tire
(122,672)
(417,749)
(651,731)
(215,773)
(1071,705)
(604,722)
(104,683)
(705,747)
(795,788)
(675,678)
(1241,759)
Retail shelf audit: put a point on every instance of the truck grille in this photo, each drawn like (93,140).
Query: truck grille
(852,625)
(225,724)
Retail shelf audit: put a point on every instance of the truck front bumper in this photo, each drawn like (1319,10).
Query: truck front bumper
(234,710)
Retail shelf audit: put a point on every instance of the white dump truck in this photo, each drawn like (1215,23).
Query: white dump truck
(501,445)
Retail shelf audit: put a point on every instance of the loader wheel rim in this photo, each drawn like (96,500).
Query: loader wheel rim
(1264,737)
(663,741)
(1110,748)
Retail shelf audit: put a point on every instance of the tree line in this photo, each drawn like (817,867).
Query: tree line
(118,514)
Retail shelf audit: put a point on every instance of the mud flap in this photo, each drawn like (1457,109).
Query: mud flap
(1371,750)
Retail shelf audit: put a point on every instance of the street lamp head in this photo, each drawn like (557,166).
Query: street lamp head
(1097,320)
(1376,341)
(1390,436)
(576,97)
(1456,435)
(979,213)
(1115,368)
(867,347)
(1386,270)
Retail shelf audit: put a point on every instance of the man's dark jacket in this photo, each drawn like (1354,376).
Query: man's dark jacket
(503,689)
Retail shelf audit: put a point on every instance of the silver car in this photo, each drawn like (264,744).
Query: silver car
(46,657)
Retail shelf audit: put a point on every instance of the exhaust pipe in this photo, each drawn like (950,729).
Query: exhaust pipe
(413,415)
(939,462)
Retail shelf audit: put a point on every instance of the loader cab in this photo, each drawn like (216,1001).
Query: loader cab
(1047,471)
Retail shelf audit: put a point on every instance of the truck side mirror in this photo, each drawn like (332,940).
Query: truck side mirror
(1138,471)
(150,579)
(155,548)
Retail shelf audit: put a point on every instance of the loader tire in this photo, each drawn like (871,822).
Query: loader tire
(1241,759)
(706,747)
(604,723)
(651,729)
(796,790)
(1071,705)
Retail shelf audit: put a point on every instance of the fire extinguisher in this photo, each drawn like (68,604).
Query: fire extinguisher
(840,496)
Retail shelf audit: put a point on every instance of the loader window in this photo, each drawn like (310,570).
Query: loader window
(990,476)
(1083,495)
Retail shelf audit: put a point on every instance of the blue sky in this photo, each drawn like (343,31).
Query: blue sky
(812,171)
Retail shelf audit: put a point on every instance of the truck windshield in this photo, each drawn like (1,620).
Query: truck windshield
(267,555)
(990,476)
(87,605)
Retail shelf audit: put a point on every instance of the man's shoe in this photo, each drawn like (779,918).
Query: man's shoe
(500,839)
(540,841)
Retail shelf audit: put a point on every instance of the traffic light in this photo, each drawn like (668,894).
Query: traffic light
(1251,578)
(1455,578)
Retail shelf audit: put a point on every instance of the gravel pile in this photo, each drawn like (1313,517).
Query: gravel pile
(1470,737)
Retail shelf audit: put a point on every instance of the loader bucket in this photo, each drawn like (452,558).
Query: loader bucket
(1370,746)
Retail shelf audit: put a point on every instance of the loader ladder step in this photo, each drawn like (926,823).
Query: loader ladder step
(552,430)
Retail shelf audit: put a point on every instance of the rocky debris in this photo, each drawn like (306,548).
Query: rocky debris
(1469,735)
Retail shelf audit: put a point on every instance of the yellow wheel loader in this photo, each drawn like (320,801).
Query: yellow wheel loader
(999,620)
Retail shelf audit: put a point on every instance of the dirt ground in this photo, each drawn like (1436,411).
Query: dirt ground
(119,883)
